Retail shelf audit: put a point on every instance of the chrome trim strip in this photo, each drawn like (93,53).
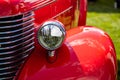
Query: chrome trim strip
(13,62)
(29,26)
(10,47)
(33,9)
(42,5)
(12,21)
(9,32)
(26,22)
(16,43)
(63,12)
(18,64)
(17,60)
(8,78)
(18,39)
(3,53)
(5,68)
(7,63)
(11,57)
(17,14)
(7,73)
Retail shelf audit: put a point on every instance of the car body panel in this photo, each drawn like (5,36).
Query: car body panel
(47,9)
(83,13)
(13,7)
(87,54)
(58,11)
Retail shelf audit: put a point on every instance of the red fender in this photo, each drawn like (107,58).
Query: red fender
(87,54)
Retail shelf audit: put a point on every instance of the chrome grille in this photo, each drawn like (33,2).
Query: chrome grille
(16,43)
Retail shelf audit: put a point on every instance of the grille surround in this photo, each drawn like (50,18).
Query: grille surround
(16,43)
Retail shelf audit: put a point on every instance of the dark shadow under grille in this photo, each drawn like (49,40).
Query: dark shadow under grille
(16,43)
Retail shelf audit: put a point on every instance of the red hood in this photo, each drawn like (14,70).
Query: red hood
(11,7)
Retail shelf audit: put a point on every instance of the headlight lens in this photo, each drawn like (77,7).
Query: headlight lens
(51,35)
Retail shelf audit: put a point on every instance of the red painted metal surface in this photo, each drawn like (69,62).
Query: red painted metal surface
(13,7)
(62,10)
(83,13)
(87,54)
(56,10)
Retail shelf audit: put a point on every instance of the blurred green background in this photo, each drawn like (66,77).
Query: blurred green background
(103,15)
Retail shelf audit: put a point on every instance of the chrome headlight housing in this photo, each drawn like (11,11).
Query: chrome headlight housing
(51,35)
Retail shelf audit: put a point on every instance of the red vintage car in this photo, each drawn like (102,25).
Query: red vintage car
(49,40)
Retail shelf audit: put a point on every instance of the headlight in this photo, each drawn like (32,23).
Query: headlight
(51,35)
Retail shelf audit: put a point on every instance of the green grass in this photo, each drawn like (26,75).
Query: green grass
(103,15)
(108,19)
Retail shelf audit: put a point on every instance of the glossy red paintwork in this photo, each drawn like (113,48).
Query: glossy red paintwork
(13,7)
(55,10)
(46,9)
(87,54)
(83,12)
(59,11)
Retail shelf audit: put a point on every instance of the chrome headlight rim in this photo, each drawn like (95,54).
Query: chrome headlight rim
(53,23)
